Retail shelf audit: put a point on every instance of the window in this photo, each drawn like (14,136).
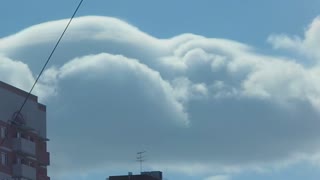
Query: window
(4,158)
(3,132)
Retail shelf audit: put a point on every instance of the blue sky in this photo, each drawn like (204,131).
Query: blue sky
(213,90)
(247,21)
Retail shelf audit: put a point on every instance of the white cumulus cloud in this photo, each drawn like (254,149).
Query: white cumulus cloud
(307,45)
(189,100)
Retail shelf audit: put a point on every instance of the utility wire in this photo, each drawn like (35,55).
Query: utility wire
(53,50)
(43,68)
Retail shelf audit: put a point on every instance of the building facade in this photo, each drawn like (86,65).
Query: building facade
(23,136)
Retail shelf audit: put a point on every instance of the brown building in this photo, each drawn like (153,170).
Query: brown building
(23,136)
(153,175)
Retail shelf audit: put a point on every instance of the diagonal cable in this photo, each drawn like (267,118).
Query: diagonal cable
(44,67)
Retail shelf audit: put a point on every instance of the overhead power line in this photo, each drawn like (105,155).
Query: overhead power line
(49,57)
(44,67)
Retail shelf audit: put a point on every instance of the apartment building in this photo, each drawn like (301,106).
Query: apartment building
(23,136)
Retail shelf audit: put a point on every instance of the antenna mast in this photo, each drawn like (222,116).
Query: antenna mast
(141,158)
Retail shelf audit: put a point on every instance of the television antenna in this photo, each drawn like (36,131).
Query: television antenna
(141,158)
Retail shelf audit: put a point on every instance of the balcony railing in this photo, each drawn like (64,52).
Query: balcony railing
(24,171)
(24,146)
